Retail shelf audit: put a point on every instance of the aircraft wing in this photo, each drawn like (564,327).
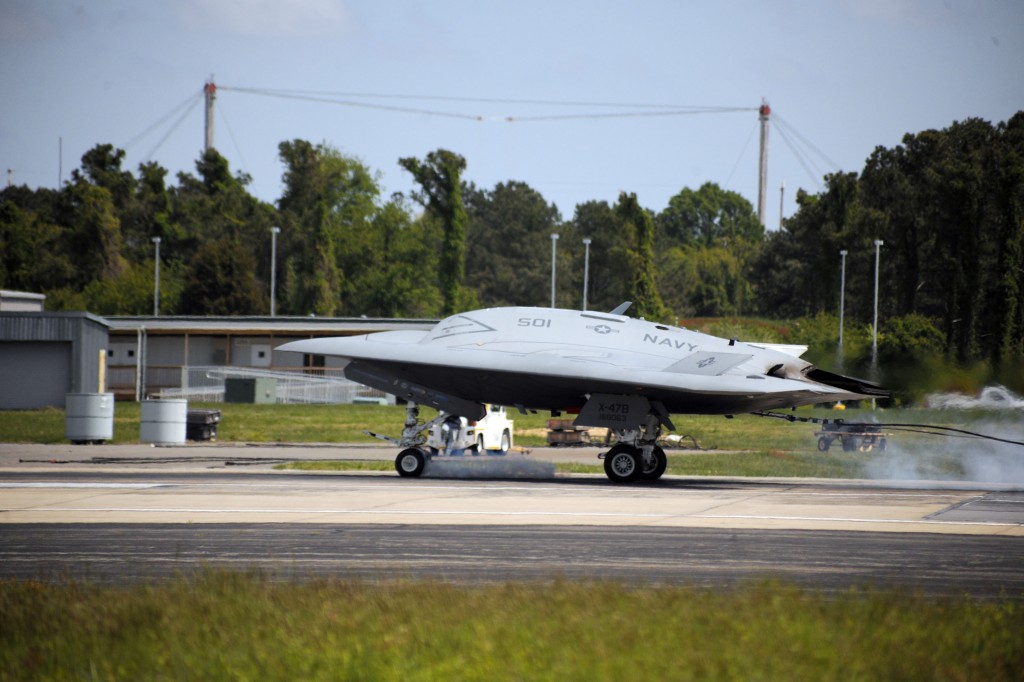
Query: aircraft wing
(493,357)
(612,371)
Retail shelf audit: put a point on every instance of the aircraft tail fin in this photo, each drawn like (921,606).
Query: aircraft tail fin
(621,308)
(852,384)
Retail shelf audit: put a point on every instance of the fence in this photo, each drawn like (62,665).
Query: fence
(299,385)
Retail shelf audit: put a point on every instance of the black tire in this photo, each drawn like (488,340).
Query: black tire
(824,444)
(850,444)
(623,464)
(479,448)
(410,462)
(660,464)
(506,441)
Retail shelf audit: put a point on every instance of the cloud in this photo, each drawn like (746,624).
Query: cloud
(266,18)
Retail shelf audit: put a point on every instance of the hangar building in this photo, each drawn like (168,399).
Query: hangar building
(44,356)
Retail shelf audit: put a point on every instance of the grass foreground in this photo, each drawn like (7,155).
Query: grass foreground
(246,626)
(222,625)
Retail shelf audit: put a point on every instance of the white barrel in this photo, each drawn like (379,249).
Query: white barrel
(88,417)
(163,421)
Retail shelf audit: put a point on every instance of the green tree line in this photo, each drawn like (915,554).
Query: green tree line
(947,204)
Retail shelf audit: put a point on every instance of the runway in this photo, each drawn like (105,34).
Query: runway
(145,517)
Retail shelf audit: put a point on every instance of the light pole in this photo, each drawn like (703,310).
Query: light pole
(782,202)
(274,231)
(874,326)
(586,269)
(156,279)
(842,300)
(554,248)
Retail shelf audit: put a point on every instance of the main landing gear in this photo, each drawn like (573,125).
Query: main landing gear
(636,455)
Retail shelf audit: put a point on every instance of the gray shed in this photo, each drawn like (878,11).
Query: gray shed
(44,356)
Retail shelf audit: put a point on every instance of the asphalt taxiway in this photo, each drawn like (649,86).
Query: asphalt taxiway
(138,512)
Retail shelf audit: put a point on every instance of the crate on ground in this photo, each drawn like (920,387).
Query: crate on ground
(202,424)
(564,432)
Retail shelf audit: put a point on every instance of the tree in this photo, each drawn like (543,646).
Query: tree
(709,217)
(1007,313)
(797,271)
(931,201)
(439,176)
(327,211)
(217,215)
(643,289)
(148,214)
(221,280)
(33,256)
(509,231)
(610,253)
(95,236)
(948,206)
(707,241)
(101,166)
(703,282)
(403,250)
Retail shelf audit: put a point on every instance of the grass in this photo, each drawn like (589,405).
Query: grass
(240,423)
(222,625)
(743,446)
(769,463)
(346,423)
(340,465)
(233,625)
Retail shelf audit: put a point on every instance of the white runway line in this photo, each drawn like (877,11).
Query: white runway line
(442,512)
(119,486)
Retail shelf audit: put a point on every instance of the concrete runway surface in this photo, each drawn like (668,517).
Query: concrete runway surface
(135,512)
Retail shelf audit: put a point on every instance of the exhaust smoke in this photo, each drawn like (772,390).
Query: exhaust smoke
(996,412)
(490,466)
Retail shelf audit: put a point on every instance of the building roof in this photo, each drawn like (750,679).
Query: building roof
(261,325)
(16,317)
(21,301)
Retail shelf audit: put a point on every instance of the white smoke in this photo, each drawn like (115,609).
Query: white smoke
(991,398)
(996,412)
(489,466)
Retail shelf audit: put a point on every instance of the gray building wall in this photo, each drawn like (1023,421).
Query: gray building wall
(44,356)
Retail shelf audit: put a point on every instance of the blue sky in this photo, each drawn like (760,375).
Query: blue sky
(845,76)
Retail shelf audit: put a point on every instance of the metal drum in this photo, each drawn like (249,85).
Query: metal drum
(163,421)
(88,417)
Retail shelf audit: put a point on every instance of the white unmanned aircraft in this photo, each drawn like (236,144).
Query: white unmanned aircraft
(610,370)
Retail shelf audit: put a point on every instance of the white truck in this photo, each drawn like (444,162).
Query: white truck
(490,435)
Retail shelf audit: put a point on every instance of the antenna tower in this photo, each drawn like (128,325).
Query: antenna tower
(762,178)
(210,93)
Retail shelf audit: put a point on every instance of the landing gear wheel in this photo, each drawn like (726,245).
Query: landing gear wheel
(623,464)
(410,462)
(654,471)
